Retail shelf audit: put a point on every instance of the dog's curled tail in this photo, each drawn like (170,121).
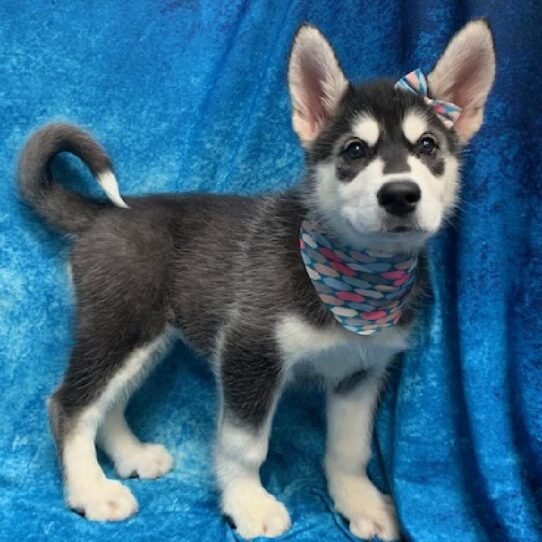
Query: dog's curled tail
(63,209)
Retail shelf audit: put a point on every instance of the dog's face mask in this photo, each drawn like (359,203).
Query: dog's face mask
(384,167)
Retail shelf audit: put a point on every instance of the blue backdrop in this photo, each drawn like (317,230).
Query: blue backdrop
(190,95)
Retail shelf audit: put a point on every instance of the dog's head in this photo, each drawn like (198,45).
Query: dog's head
(383,166)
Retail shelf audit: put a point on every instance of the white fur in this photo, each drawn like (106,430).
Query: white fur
(366,128)
(414,126)
(350,424)
(239,454)
(129,455)
(109,183)
(438,195)
(334,352)
(342,203)
(87,488)
(370,513)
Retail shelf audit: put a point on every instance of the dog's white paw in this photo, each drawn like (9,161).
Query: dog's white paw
(370,513)
(255,512)
(105,500)
(145,461)
(375,522)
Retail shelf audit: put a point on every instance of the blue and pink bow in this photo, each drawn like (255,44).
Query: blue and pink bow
(416,82)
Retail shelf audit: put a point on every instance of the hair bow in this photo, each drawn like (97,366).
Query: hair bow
(416,82)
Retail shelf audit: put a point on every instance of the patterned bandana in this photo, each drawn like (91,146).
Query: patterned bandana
(416,82)
(364,289)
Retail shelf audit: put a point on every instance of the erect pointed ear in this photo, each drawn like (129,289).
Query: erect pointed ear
(316,81)
(464,75)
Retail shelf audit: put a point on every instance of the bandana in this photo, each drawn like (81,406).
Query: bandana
(365,290)
(417,83)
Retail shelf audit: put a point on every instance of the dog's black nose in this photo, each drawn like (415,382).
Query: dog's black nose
(399,197)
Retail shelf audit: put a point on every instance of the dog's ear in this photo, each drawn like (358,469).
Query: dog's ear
(464,75)
(316,81)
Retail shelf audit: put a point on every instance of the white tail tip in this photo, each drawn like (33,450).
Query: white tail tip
(108,182)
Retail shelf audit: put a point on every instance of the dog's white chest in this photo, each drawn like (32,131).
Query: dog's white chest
(334,352)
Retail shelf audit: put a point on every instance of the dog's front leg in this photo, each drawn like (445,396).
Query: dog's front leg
(250,382)
(350,411)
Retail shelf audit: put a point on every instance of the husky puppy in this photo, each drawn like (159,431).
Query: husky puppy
(238,277)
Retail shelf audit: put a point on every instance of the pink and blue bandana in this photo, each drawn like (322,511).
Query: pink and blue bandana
(416,82)
(365,290)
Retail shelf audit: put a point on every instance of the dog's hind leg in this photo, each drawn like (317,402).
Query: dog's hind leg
(131,457)
(104,369)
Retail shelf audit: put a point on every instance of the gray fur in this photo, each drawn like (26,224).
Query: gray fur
(61,208)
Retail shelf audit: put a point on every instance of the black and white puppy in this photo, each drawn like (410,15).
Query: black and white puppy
(226,272)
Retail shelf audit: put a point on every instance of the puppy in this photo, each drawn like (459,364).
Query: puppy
(319,281)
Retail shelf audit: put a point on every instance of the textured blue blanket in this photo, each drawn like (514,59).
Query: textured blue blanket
(191,95)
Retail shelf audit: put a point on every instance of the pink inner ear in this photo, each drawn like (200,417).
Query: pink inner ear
(313,91)
(469,88)
(464,76)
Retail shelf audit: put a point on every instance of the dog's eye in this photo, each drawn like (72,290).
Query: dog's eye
(355,150)
(427,144)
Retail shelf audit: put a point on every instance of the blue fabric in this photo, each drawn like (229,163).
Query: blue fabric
(191,95)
